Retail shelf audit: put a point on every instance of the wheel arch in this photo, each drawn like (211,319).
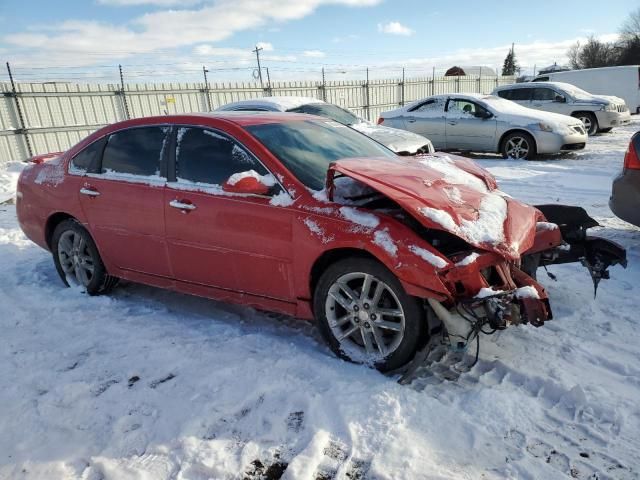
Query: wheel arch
(53,221)
(516,130)
(329,257)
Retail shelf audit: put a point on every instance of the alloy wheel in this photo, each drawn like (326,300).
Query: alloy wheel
(75,259)
(517,147)
(365,316)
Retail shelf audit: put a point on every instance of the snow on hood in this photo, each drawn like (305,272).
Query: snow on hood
(393,138)
(484,217)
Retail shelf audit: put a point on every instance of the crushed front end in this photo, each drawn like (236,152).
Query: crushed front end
(490,292)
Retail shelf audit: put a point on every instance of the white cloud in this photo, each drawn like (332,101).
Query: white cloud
(82,42)
(314,53)
(157,3)
(266,46)
(395,28)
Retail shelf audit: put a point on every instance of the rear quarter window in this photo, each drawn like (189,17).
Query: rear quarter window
(88,160)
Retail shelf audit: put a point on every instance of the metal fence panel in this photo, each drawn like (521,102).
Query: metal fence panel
(58,115)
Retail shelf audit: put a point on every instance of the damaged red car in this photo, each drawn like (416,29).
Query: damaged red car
(304,216)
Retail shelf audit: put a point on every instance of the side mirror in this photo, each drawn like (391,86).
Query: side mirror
(246,183)
(560,99)
(484,114)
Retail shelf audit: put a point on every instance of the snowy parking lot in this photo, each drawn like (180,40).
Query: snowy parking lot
(149,384)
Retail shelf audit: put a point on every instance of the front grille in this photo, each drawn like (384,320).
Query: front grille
(579,129)
(622,108)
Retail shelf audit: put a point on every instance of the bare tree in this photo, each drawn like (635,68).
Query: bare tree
(592,54)
(574,56)
(628,48)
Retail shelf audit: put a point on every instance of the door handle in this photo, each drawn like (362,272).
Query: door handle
(92,192)
(411,120)
(537,104)
(452,122)
(182,205)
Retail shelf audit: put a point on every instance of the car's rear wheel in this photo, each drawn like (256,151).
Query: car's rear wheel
(605,130)
(77,259)
(518,146)
(589,121)
(366,316)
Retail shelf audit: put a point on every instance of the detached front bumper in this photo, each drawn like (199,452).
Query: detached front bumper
(552,142)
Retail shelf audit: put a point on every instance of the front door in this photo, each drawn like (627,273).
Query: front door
(123,200)
(469,126)
(549,100)
(218,239)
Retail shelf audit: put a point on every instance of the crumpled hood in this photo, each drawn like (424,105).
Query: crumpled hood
(450,193)
(394,139)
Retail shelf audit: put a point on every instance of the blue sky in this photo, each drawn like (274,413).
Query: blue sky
(176,37)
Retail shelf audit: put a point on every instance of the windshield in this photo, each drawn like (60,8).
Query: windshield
(306,148)
(574,91)
(328,110)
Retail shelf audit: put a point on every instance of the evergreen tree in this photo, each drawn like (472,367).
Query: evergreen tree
(510,66)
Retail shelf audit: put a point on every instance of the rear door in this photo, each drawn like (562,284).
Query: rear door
(123,198)
(467,126)
(428,119)
(227,241)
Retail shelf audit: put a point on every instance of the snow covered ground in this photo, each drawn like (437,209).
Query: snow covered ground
(147,384)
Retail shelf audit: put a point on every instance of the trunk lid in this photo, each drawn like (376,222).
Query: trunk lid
(450,193)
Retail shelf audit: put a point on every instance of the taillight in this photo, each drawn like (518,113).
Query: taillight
(380,120)
(631,160)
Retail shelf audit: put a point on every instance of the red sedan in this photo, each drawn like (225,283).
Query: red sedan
(304,216)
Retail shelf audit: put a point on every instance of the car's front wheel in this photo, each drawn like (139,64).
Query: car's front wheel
(589,121)
(518,146)
(365,315)
(77,259)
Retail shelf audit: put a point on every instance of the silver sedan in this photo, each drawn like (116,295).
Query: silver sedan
(485,123)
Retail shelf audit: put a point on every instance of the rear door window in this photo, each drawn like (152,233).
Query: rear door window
(135,151)
(209,157)
(506,94)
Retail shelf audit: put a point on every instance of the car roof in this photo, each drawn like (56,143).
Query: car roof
(242,119)
(561,85)
(280,103)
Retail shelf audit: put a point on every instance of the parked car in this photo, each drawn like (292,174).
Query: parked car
(265,210)
(625,195)
(485,123)
(598,113)
(401,142)
(622,81)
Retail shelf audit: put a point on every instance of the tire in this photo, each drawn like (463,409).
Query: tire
(77,259)
(518,146)
(400,337)
(605,130)
(589,121)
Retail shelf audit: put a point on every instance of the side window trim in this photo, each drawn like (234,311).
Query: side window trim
(420,105)
(172,178)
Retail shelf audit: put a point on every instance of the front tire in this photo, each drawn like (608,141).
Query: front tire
(589,121)
(365,315)
(518,146)
(77,259)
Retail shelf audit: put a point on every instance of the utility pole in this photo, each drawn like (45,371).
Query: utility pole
(324,87)
(257,52)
